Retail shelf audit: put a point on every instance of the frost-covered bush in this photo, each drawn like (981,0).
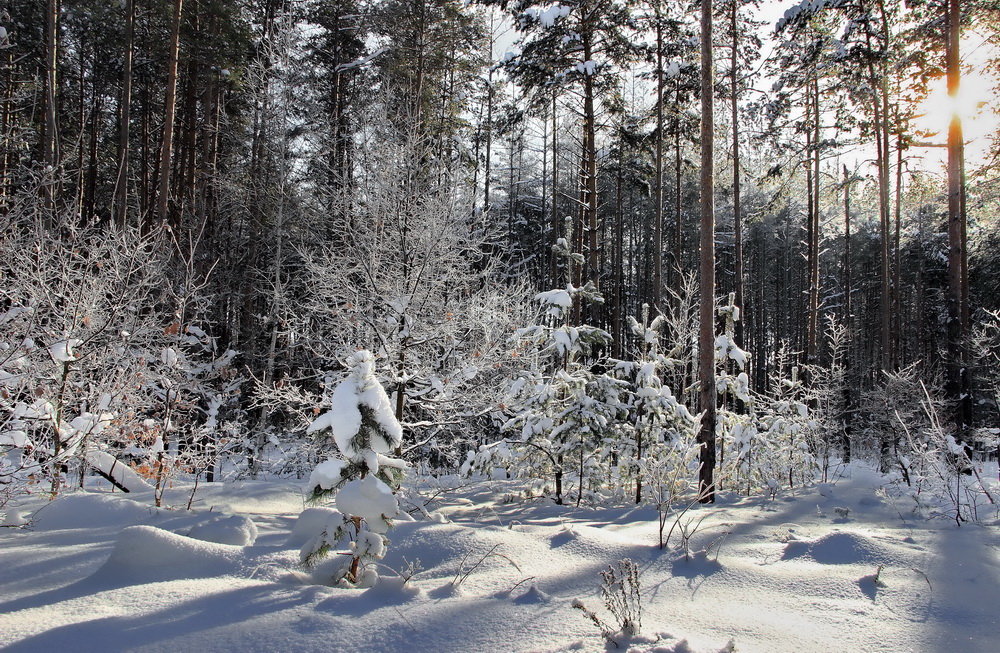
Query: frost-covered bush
(829,401)
(888,411)
(772,444)
(364,428)
(103,366)
(928,463)
(785,432)
(406,269)
(79,327)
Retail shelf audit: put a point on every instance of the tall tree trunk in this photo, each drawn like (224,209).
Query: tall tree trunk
(169,109)
(958,377)
(81,128)
(6,125)
(814,229)
(90,190)
(554,221)
(676,273)
(810,328)
(124,117)
(897,290)
(880,104)
(848,394)
(489,146)
(50,143)
(589,173)
(657,289)
(617,291)
(706,333)
(737,199)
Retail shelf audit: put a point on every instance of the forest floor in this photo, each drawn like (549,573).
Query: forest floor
(834,566)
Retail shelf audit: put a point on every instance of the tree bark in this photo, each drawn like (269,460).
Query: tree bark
(169,109)
(706,334)
(50,143)
(124,117)
(958,377)
(657,287)
(737,199)
(589,173)
(848,394)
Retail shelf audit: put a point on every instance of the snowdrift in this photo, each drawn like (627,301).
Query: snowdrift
(145,554)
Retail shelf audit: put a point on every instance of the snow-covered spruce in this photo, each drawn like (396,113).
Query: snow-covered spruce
(364,429)
(562,414)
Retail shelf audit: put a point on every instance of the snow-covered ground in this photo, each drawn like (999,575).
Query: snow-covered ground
(97,571)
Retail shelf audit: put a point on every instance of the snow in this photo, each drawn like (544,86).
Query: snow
(96,571)
(14,438)
(169,357)
(360,388)
(235,530)
(558,297)
(90,511)
(13,518)
(62,351)
(146,554)
(804,9)
(110,466)
(361,62)
(548,16)
(370,499)
(310,522)
(327,474)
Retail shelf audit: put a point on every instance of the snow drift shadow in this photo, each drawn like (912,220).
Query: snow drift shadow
(207,612)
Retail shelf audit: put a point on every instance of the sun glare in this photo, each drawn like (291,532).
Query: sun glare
(972,105)
(969,105)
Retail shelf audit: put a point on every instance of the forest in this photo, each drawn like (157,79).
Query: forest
(353,273)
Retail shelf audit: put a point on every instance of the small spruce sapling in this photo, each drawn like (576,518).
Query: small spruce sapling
(364,429)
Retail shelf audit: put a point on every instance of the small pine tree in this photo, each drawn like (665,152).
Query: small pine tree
(662,426)
(364,429)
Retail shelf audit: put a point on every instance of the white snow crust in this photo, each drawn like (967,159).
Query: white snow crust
(791,575)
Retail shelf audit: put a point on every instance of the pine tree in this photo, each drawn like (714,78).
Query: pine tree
(660,421)
(364,428)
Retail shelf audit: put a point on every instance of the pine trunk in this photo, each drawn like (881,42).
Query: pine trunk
(706,335)
(169,109)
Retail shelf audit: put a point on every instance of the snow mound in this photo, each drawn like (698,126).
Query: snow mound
(310,522)
(839,548)
(145,554)
(91,511)
(392,590)
(533,595)
(234,530)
